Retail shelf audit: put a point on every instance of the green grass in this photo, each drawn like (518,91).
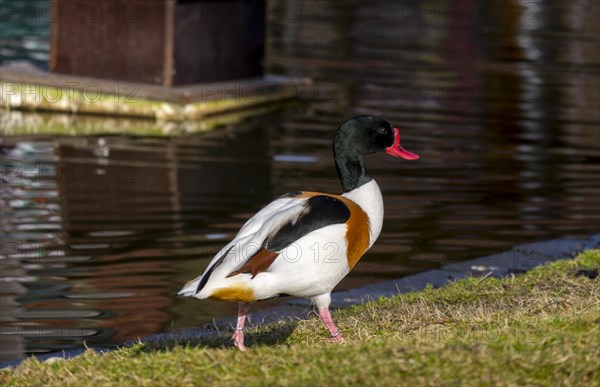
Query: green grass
(541,328)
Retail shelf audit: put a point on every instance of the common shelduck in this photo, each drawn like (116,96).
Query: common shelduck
(304,243)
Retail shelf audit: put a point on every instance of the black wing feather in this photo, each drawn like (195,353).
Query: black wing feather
(321,211)
(206,276)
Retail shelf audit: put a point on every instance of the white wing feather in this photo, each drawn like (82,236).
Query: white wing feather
(250,239)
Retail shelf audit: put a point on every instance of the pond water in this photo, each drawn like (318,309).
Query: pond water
(501,103)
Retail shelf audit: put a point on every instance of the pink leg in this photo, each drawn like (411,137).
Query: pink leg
(238,335)
(336,336)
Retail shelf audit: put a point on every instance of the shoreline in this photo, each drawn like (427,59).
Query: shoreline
(520,259)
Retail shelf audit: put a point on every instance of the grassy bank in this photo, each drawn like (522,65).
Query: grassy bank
(541,328)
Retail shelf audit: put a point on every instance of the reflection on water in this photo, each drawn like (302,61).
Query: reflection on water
(24,31)
(501,104)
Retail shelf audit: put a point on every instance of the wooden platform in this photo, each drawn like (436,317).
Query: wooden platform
(31,90)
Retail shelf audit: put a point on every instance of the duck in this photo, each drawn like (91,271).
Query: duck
(304,243)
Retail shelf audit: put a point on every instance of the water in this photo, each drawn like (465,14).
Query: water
(24,31)
(500,102)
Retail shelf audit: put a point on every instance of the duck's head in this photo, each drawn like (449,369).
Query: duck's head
(369,134)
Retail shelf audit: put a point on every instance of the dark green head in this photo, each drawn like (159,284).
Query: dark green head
(359,136)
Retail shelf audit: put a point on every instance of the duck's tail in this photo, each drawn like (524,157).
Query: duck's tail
(190,288)
(193,288)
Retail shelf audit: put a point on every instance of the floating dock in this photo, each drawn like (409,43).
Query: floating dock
(67,104)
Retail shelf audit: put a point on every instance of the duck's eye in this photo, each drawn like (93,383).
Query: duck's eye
(382,130)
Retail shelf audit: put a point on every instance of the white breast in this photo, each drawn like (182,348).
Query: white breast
(368,197)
